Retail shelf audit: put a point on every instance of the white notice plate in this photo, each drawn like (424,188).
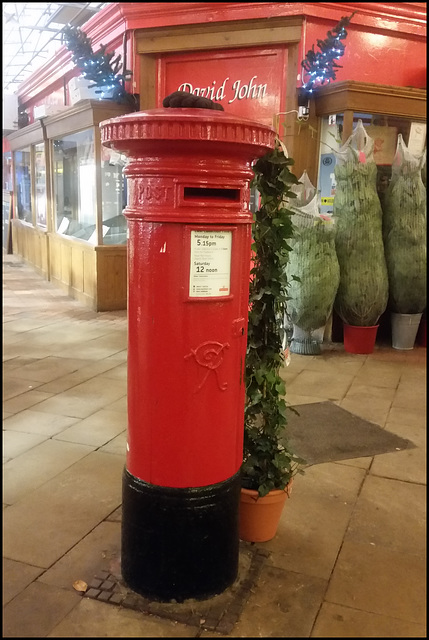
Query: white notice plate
(210,270)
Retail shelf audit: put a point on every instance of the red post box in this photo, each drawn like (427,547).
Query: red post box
(188,175)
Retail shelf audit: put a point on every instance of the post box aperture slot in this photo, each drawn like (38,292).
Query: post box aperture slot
(211,194)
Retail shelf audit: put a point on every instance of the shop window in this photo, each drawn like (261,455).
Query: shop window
(40,184)
(383,130)
(74,179)
(7,171)
(23,184)
(114,197)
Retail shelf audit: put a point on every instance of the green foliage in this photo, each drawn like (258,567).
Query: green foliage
(267,462)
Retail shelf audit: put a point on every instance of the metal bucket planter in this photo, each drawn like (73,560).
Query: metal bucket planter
(404,330)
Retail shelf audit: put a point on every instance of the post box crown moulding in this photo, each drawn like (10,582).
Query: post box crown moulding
(187,125)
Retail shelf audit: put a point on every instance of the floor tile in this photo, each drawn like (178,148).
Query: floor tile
(44,608)
(368,390)
(390,514)
(332,362)
(33,468)
(119,405)
(407,418)
(117,373)
(285,606)
(361,463)
(16,577)
(73,379)
(335,621)
(379,580)
(71,505)
(96,430)
(408,465)
(368,407)
(50,368)
(379,374)
(294,400)
(84,399)
(315,519)
(86,559)
(46,424)
(410,396)
(95,349)
(15,386)
(95,619)
(16,443)
(118,445)
(320,383)
(25,401)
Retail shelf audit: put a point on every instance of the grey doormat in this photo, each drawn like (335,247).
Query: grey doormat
(324,432)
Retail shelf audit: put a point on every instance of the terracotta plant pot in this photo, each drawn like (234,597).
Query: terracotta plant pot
(259,517)
(359,339)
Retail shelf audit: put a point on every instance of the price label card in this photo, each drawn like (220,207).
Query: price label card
(210,270)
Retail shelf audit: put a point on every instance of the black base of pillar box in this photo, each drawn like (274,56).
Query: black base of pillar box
(179,543)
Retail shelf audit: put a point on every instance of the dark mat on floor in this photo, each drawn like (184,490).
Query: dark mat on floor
(324,432)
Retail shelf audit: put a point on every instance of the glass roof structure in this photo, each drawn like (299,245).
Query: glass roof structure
(32,32)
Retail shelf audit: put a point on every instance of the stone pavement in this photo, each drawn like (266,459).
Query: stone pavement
(349,558)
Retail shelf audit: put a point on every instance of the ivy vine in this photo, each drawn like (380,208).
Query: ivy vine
(268,461)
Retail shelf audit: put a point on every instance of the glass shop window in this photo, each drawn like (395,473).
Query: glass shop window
(40,184)
(7,171)
(383,130)
(75,186)
(23,184)
(114,197)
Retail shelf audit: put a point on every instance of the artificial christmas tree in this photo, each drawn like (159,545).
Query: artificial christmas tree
(101,68)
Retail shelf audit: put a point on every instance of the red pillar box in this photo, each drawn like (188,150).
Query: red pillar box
(189,242)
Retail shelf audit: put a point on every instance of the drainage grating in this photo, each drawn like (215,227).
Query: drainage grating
(219,613)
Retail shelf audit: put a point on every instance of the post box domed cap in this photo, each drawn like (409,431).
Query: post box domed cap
(185,124)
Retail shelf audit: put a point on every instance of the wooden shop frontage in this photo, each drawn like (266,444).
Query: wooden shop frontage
(69,191)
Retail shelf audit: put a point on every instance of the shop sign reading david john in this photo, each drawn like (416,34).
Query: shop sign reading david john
(238,89)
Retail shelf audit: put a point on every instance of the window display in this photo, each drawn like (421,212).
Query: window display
(40,184)
(74,179)
(114,197)
(383,129)
(23,184)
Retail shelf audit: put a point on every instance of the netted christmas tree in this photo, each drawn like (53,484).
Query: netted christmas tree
(404,231)
(363,289)
(313,270)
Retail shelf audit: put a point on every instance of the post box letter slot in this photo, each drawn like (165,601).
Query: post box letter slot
(211,193)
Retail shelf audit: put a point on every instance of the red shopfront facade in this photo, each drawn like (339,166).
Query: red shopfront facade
(246,56)
(247,82)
